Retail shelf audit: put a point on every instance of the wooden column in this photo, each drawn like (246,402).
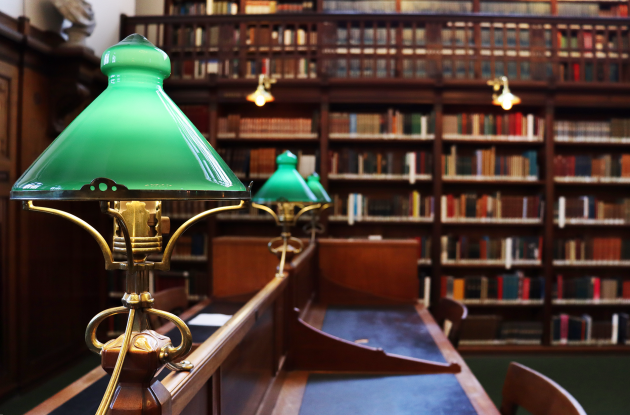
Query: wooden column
(436,266)
(547,254)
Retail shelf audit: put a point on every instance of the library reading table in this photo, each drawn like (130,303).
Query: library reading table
(281,353)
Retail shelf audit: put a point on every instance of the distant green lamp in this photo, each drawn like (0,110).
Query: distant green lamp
(288,191)
(325,201)
(131,149)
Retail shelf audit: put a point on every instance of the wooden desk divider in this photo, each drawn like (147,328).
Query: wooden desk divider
(368,272)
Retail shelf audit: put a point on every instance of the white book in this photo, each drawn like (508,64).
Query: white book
(444,251)
(359,207)
(351,209)
(209,6)
(524,207)
(561,211)
(411,161)
(427,291)
(508,253)
(615,328)
(443,207)
(530,126)
(584,207)
(423,126)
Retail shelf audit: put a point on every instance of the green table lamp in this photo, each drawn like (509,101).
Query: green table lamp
(325,201)
(288,191)
(131,149)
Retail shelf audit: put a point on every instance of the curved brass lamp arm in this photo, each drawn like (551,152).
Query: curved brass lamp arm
(170,354)
(123,226)
(168,251)
(103,408)
(90,332)
(304,210)
(107,253)
(268,210)
(325,206)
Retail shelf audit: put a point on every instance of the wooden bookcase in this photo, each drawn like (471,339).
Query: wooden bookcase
(369,63)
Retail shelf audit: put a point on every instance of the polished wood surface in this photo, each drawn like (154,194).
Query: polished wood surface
(385,270)
(478,396)
(536,393)
(453,311)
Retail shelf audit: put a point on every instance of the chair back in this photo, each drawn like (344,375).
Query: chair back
(536,393)
(174,300)
(449,314)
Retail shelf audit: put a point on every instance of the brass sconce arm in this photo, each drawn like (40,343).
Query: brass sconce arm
(268,210)
(304,210)
(102,243)
(168,251)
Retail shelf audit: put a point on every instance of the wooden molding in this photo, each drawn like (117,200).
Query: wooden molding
(331,292)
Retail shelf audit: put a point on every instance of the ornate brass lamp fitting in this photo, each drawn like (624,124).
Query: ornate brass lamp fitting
(506,99)
(262,95)
(165,158)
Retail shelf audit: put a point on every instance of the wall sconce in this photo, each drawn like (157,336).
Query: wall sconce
(506,99)
(325,201)
(288,191)
(129,150)
(261,95)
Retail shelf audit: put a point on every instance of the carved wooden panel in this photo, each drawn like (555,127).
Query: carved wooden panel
(4,117)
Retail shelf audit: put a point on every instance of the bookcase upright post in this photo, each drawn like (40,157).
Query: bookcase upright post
(548,220)
(436,234)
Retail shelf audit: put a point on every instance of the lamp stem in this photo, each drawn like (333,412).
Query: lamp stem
(103,408)
(285,243)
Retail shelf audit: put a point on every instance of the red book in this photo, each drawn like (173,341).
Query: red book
(596,287)
(560,287)
(499,288)
(499,122)
(483,249)
(519,123)
(450,206)
(564,328)
(626,289)
(525,290)
(576,71)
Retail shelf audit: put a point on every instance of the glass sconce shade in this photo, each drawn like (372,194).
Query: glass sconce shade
(286,184)
(318,190)
(131,143)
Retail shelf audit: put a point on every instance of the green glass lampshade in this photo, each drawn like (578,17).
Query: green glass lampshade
(286,184)
(318,190)
(131,143)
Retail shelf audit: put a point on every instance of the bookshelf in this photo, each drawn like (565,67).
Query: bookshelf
(383,88)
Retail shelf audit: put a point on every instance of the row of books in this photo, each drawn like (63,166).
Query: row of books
(521,8)
(580,9)
(352,68)
(183,208)
(591,288)
(499,33)
(261,162)
(607,165)
(193,245)
(595,249)
(197,68)
(362,6)
(391,163)
(514,286)
(360,206)
(281,67)
(613,129)
(496,206)
(270,7)
(566,328)
(189,36)
(446,7)
(513,125)
(587,40)
(589,207)
(282,126)
(456,248)
(391,122)
(491,329)
(592,71)
(368,36)
(279,35)
(488,163)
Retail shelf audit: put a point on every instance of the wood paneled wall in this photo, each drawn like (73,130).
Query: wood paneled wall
(52,279)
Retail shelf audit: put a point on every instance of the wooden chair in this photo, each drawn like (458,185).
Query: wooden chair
(536,393)
(449,314)
(173,300)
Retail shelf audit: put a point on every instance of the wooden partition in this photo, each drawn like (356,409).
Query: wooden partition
(360,271)
(238,365)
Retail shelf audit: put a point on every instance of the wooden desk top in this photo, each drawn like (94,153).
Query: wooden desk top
(292,395)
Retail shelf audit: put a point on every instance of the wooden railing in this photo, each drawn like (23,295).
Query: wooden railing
(386,46)
(251,344)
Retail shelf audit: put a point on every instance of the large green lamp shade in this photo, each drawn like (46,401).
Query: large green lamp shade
(286,184)
(318,190)
(131,143)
